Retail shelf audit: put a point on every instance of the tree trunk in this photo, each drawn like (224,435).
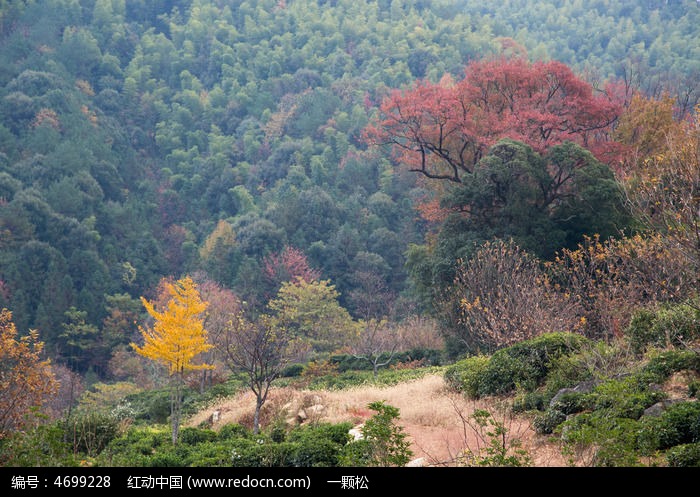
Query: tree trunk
(256,416)
(176,407)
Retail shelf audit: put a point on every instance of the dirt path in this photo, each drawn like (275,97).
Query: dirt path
(437,423)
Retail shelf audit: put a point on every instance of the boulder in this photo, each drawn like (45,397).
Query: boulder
(657,409)
(583,387)
(356,432)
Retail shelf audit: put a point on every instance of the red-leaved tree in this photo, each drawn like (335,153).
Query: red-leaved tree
(442,130)
(290,264)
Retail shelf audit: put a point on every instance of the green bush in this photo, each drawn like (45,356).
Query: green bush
(623,398)
(684,456)
(194,436)
(526,364)
(91,432)
(319,445)
(210,455)
(662,365)
(573,402)
(595,360)
(246,453)
(693,388)
(668,326)
(292,371)
(152,406)
(639,331)
(232,431)
(529,401)
(614,439)
(384,441)
(678,424)
(465,375)
(135,447)
(546,422)
(40,446)
(337,433)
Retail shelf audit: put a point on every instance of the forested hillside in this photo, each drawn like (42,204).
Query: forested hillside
(304,159)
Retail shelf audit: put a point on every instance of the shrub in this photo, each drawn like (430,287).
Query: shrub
(210,455)
(151,405)
(247,453)
(92,431)
(526,364)
(529,401)
(600,438)
(317,453)
(135,447)
(595,360)
(678,424)
(693,388)
(684,456)
(662,365)
(572,402)
(194,436)
(546,422)
(40,446)
(465,375)
(384,442)
(624,398)
(292,371)
(319,445)
(668,326)
(495,447)
(232,431)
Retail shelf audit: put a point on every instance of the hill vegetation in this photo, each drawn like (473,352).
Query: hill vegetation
(503,195)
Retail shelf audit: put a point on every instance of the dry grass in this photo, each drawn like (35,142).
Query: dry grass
(434,419)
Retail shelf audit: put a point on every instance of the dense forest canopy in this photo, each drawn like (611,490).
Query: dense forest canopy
(145,139)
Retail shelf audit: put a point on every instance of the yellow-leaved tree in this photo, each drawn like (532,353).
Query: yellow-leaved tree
(176,337)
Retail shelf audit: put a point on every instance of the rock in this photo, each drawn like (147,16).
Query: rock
(416,463)
(657,409)
(316,409)
(356,432)
(214,418)
(583,387)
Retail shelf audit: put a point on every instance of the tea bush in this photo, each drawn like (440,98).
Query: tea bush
(524,365)
(668,326)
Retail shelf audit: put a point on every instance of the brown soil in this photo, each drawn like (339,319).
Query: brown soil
(437,422)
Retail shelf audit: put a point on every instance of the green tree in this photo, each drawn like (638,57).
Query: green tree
(384,442)
(78,340)
(310,310)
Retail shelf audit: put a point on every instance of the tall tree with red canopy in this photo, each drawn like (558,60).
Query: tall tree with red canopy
(442,130)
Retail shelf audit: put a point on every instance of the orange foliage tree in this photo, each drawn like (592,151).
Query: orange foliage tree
(175,339)
(26,380)
(664,189)
(608,280)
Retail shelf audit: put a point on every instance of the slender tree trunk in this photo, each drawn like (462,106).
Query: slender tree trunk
(256,417)
(176,406)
